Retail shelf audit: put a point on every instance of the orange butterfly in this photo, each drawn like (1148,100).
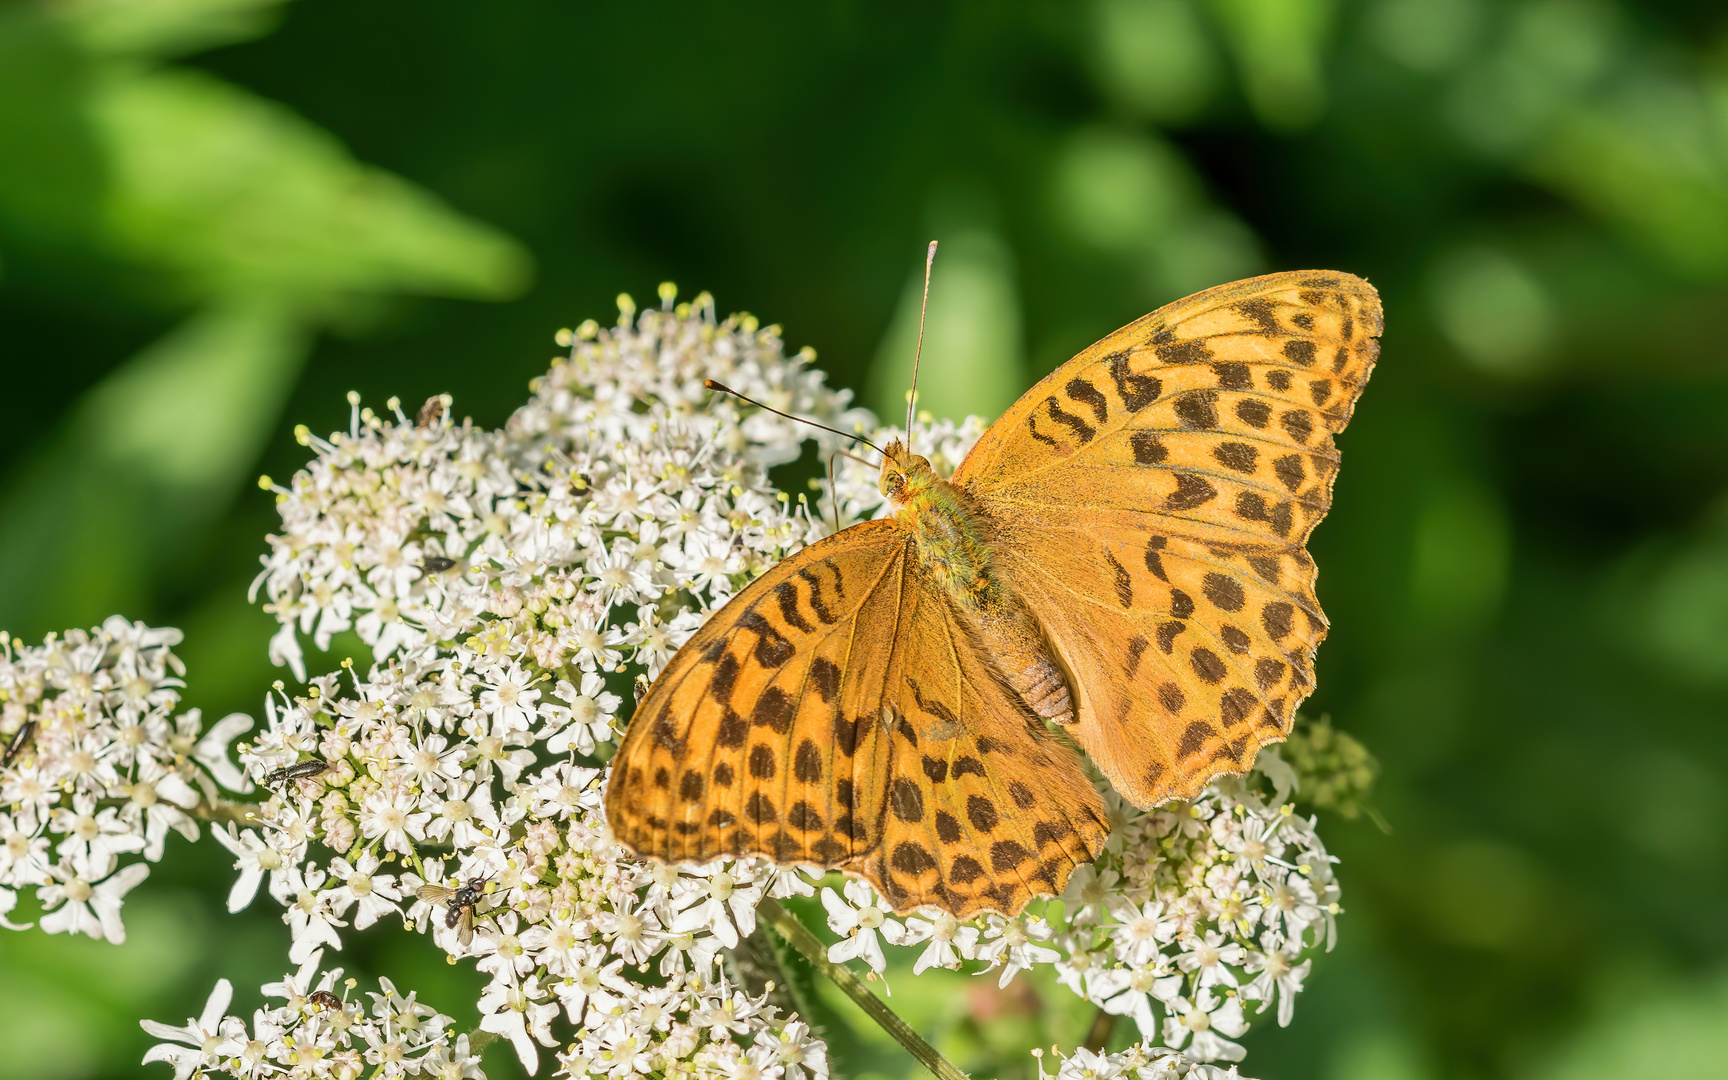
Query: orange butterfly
(1121,555)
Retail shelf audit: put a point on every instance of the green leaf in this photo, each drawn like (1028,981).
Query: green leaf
(166,27)
(238,194)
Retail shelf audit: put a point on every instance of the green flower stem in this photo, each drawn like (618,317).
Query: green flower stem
(799,937)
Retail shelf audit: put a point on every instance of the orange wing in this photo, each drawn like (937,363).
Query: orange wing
(834,714)
(1152,498)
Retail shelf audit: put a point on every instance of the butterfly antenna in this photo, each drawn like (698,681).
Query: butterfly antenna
(833,493)
(918,353)
(724,389)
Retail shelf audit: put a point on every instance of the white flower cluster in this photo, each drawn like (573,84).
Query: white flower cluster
(510,585)
(1143,1062)
(513,587)
(1193,912)
(317,1032)
(96,767)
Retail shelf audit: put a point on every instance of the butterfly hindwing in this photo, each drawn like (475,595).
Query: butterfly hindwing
(834,714)
(1153,497)
(985,808)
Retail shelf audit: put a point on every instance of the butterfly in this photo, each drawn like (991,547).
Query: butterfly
(1119,564)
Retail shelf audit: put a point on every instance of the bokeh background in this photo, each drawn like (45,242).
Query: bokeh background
(219,216)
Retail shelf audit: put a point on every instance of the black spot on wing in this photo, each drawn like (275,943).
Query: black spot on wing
(1148,450)
(1256,414)
(772,648)
(1124,584)
(1087,394)
(1241,457)
(906,800)
(807,763)
(825,677)
(817,604)
(1191,491)
(1289,471)
(1136,391)
(773,710)
(1184,352)
(1081,429)
(1297,424)
(787,594)
(1154,561)
(1136,648)
(1263,313)
(1233,376)
(724,678)
(1198,410)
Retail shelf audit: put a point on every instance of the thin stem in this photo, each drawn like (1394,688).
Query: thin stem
(1098,1035)
(799,937)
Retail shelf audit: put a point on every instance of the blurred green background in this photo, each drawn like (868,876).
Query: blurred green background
(218,216)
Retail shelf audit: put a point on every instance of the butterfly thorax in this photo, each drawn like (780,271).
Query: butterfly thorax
(952,540)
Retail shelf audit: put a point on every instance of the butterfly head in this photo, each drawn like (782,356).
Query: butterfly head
(905,475)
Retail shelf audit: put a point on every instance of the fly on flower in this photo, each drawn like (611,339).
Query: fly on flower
(436,564)
(305,770)
(460,903)
(324,999)
(432,411)
(20,739)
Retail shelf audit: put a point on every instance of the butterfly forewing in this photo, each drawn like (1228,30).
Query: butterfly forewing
(835,714)
(1153,497)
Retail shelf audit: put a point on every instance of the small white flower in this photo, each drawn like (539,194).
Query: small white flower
(859,916)
(1205,1025)
(81,902)
(950,941)
(1275,977)
(203,1042)
(393,820)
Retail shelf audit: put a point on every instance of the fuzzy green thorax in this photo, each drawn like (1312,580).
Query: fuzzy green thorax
(952,541)
(946,529)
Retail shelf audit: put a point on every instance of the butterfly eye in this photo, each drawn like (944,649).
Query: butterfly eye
(892,484)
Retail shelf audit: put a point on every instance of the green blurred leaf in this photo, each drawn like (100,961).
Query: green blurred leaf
(1679,1030)
(157,447)
(1154,56)
(1494,309)
(52,168)
(1548,57)
(241,195)
(1427,35)
(1135,196)
(1462,554)
(1280,49)
(166,27)
(1654,160)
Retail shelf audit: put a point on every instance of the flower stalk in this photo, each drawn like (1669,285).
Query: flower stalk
(799,937)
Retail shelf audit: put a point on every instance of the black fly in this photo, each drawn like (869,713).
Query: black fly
(436,564)
(459,902)
(19,739)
